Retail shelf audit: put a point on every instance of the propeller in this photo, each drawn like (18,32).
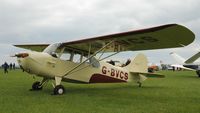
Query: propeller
(20,55)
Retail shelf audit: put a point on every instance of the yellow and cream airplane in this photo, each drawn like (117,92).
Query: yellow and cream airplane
(77,61)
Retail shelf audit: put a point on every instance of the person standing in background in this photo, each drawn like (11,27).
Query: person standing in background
(13,66)
(5,66)
(10,66)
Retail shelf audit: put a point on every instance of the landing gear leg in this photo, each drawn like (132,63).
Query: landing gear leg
(139,84)
(139,79)
(38,85)
(59,89)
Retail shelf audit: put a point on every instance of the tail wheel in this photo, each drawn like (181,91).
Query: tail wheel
(198,72)
(59,90)
(36,86)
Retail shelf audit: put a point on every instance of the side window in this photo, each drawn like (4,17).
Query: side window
(77,58)
(65,56)
(72,55)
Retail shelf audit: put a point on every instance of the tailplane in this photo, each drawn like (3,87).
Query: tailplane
(138,68)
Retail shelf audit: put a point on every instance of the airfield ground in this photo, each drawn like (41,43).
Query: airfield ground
(179,92)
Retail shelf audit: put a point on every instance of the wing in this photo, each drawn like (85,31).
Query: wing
(165,36)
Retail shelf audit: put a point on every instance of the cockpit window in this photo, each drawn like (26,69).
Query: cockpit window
(52,48)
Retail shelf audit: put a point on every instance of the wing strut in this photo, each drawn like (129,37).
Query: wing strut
(88,58)
(94,62)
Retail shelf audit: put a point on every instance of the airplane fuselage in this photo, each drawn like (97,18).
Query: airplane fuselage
(44,65)
(192,66)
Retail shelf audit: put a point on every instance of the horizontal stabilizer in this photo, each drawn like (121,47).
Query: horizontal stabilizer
(156,75)
(137,77)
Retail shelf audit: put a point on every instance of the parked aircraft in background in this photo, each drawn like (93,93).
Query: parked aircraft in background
(59,62)
(188,64)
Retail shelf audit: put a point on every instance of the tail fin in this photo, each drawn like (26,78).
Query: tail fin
(138,64)
(138,68)
(178,58)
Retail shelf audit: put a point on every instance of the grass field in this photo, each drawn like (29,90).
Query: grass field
(179,92)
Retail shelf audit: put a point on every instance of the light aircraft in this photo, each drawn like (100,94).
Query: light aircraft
(188,64)
(56,61)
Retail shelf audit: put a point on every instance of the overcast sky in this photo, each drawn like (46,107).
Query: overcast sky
(50,21)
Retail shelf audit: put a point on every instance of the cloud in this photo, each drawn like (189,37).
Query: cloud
(50,21)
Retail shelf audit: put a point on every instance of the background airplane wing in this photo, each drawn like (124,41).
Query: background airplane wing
(193,58)
(165,36)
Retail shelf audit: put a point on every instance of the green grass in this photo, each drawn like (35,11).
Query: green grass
(179,92)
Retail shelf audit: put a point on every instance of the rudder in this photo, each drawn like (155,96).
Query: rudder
(138,64)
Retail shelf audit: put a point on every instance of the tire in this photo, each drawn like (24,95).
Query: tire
(59,90)
(36,86)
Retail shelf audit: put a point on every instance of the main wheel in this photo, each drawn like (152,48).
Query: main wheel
(198,73)
(59,90)
(36,86)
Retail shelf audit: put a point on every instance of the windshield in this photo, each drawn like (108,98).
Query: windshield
(52,48)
